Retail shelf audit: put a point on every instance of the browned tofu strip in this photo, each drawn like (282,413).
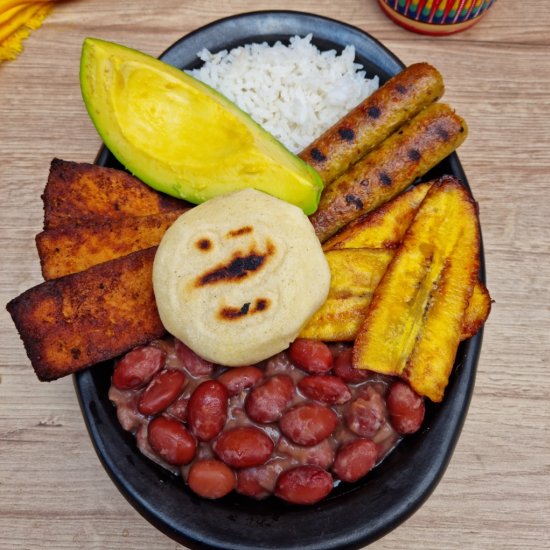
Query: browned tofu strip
(407,154)
(79,320)
(373,120)
(65,250)
(80,192)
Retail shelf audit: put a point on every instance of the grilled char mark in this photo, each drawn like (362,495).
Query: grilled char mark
(355,200)
(347,134)
(374,112)
(401,89)
(442,132)
(246,229)
(385,178)
(414,155)
(232,313)
(317,155)
(204,244)
(239,267)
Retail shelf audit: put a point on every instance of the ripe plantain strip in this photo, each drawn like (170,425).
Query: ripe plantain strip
(373,120)
(414,322)
(382,231)
(383,227)
(403,157)
(355,273)
(341,316)
(70,249)
(477,311)
(79,192)
(82,319)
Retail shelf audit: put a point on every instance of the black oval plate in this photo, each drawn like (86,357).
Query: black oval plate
(353,515)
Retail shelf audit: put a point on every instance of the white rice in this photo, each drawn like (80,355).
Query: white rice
(295,92)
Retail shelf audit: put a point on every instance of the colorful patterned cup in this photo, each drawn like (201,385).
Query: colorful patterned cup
(435,17)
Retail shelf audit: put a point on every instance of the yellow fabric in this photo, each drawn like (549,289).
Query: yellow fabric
(8,4)
(17,20)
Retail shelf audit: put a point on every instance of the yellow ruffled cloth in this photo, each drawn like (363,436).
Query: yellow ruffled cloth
(18,18)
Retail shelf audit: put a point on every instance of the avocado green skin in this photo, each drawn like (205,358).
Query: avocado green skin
(278,171)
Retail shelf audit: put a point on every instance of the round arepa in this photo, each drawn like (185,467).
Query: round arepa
(237,277)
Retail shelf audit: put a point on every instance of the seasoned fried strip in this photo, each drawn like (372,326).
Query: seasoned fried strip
(383,173)
(414,322)
(82,319)
(383,227)
(373,120)
(80,192)
(65,250)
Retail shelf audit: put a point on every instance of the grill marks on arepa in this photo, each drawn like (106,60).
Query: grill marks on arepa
(240,266)
(231,313)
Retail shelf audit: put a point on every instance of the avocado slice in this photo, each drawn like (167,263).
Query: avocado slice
(180,136)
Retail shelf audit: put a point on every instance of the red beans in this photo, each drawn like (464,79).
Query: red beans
(162,391)
(237,379)
(137,368)
(325,388)
(266,402)
(365,416)
(211,478)
(249,483)
(243,447)
(405,407)
(207,410)
(308,424)
(259,481)
(312,356)
(304,485)
(355,459)
(322,418)
(343,368)
(195,365)
(171,440)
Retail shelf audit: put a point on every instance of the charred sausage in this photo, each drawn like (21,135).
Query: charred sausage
(373,120)
(384,172)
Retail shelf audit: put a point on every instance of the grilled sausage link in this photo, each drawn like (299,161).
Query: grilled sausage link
(373,120)
(406,155)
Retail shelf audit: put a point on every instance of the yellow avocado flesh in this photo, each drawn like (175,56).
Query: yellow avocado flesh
(182,137)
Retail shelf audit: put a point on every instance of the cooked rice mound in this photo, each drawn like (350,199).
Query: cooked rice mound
(295,92)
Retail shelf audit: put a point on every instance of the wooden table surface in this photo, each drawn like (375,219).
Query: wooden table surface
(496,492)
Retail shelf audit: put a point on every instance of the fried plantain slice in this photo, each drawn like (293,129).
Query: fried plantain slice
(341,316)
(355,273)
(414,323)
(70,249)
(82,319)
(80,192)
(477,311)
(383,227)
